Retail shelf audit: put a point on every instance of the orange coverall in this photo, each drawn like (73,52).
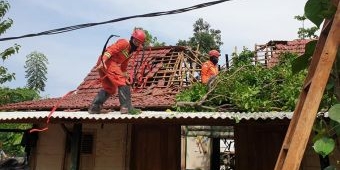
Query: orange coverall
(208,70)
(116,59)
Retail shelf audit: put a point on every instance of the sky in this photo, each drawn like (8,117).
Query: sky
(71,55)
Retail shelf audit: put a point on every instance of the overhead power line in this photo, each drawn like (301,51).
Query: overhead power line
(80,26)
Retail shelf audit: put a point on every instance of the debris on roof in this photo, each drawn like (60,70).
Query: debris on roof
(158,72)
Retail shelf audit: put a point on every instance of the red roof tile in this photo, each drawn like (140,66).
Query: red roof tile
(154,90)
(280,47)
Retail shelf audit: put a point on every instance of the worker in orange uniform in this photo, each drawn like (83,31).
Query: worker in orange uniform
(209,68)
(112,67)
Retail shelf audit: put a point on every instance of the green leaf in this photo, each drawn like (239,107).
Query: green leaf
(334,113)
(302,62)
(313,10)
(317,10)
(310,47)
(324,146)
(330,85)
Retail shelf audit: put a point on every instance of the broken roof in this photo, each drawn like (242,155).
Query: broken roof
(273,49)
(159,73)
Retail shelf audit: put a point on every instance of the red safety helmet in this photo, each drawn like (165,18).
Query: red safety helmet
(214,53)
(139,35)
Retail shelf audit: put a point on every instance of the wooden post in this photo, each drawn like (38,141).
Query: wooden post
(215,155)
(227,61)
(75,146)
(255,56)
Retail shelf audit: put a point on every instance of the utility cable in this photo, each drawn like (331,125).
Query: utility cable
(80,26)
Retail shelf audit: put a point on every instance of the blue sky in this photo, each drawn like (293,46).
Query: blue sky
(72,55)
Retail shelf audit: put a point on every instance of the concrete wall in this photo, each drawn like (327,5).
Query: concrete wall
(195,156)
(109,148)
(50,149)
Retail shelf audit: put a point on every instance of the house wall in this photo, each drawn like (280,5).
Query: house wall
(109,148)
(198,153)
(49,152)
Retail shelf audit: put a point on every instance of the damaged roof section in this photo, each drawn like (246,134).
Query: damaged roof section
(269,53)
(158,74)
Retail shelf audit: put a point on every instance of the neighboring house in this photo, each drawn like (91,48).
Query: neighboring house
(155,139)
(269,53)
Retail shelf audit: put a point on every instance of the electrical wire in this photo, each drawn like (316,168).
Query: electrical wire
(80,26)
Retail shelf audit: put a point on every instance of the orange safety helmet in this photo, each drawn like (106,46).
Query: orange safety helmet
(139,35)
(214,53)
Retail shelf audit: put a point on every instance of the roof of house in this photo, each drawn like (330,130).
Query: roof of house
(159,75)
(296,46)
(274,48)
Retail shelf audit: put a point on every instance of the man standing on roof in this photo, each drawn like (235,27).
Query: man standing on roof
(112,67)
(209,68)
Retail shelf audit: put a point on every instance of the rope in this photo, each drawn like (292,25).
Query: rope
(148,15)
(52,111)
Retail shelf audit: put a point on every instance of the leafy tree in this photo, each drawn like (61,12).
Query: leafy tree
(204,37)
(306,32)
(11,142)
(8,95)
(5,24)
(36,70)
(247,87)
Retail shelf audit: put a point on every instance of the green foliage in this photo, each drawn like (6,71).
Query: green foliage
(36,70)
(306,32)
(11,142)
(251,88)
(317,10)
(302,62)
(5,24)
(324,146)
(8,95)
(204,37)
(334,113)
(195,93)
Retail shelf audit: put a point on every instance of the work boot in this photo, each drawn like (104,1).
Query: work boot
(124,95)
(98,101)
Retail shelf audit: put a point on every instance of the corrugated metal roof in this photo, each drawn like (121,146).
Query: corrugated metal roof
(61,116)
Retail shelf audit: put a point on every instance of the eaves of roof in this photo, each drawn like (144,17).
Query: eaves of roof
(183,118)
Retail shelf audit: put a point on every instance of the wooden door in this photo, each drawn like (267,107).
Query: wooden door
(155,147)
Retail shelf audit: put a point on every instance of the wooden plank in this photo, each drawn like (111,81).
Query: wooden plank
(183,150)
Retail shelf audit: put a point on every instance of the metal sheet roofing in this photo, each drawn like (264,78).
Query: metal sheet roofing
(146,116)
